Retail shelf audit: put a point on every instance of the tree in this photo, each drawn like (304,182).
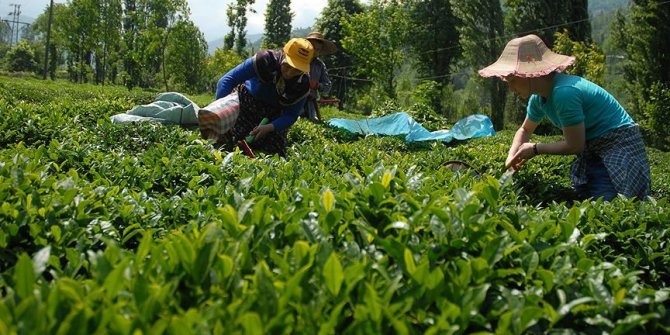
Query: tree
(237,21)
(376,37)
(185,57)
(545,18)
(57,41)
(330,24)
(590,62)
(21,58)
(5,32)
(647,68)
(81,35)
(278,18)
(146,28)
(481,38)
(220,63)
(131,30)
(110,38)
(434,38)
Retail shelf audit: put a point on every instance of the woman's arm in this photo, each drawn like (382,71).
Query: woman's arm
(234,77)
(574,140)
(516,151)
(572,144)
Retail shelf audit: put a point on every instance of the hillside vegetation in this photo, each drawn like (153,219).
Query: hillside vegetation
(146,228)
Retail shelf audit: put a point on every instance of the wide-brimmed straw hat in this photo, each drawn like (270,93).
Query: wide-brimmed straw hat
(328,46)
(527,57)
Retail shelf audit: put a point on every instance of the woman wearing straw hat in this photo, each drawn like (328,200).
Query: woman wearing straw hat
(272,84)
(611,156)
(319,80)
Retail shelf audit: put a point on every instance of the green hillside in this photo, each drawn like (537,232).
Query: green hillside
(148,229)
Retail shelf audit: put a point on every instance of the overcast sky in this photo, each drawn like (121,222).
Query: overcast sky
(208,15)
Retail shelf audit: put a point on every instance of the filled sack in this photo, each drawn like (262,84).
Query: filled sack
(219,117)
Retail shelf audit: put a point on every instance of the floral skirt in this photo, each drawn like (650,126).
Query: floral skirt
(252,111)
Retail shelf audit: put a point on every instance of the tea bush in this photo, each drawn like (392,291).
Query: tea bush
(146,228)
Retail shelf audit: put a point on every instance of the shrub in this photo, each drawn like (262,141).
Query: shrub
(656,113)
(21,58)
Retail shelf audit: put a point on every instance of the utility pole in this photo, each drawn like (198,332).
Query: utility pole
(16,12)
(46,49)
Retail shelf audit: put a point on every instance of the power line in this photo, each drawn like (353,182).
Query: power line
(351,78)
(505,37)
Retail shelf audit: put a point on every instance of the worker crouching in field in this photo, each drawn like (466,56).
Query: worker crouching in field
(272,84)
(611,156)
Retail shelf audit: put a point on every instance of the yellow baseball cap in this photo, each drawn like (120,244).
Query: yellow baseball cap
(299,53)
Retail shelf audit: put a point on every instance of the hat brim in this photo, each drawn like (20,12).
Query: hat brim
(328,48)
(304,67)
(504,67)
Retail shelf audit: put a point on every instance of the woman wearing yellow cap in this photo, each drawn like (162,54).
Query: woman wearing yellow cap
(611,156)
(272,84)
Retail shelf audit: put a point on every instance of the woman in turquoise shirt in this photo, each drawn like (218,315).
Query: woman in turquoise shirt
(611,156)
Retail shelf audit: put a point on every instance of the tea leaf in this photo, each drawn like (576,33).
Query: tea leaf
(332,273)
(24,276)
(328,200)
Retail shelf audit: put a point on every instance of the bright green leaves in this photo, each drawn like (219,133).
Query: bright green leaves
(571,221)
(147,229)
(24,276)
(386,179)
(251,323)
(229,219)
(328,200)
(408,257)
(333,274)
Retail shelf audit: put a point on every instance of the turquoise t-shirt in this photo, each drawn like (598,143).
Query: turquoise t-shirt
(574,100)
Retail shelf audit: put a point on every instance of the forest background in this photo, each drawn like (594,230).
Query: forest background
(416,56)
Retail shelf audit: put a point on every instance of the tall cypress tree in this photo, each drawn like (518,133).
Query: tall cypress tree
(434,37)
(481,37)
(278,18)
(545,18)
(647,69)
(237,21)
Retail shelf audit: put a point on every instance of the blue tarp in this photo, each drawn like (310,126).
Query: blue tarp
(472,126)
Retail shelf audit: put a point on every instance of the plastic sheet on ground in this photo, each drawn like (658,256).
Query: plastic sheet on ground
(169,107)
(472,126)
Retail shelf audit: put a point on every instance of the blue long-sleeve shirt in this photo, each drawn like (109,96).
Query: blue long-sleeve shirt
(266,92)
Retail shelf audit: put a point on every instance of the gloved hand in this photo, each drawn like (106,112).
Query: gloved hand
(313,84)
(261,131)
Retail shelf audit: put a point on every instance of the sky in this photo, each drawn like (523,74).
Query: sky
(208,15)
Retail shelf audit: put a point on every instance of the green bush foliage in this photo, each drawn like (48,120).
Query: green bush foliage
(656,113)
(146,228)
(21,58)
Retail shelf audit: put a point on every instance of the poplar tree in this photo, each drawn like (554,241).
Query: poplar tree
(482,40)
(185,58)
(377,38)
(109,43)
(545,18)
(237,21)
(434,37)
(644,38)
(278,18)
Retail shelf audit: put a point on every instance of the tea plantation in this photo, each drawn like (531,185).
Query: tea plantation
(148,229)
